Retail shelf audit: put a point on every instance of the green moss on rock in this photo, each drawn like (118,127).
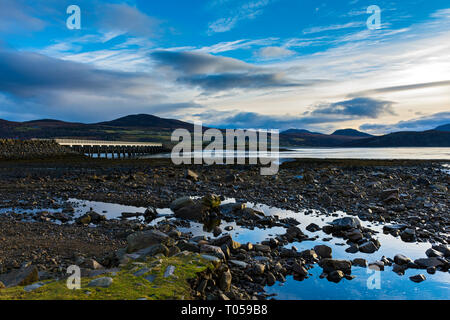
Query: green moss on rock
(138,280)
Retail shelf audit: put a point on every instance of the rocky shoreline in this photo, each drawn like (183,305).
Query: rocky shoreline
(409,197)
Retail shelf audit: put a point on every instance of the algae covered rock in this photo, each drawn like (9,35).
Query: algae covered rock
(145,239)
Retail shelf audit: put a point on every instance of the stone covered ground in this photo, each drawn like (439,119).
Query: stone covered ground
(411,195)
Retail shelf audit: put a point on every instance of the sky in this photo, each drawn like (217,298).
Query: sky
(269,64)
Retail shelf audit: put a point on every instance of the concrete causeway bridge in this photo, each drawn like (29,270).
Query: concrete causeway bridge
(119,149)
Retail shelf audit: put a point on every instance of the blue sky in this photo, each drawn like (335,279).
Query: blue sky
(229,63)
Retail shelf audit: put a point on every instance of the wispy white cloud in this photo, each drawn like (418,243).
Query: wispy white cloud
(333,27)
(246,11)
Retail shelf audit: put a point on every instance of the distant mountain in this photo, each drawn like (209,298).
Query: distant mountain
(147,121)
(431,138)
(351,133)
(52,123)
(445,127)
(294,131)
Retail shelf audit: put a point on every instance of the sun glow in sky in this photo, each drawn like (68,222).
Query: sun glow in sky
(229,63)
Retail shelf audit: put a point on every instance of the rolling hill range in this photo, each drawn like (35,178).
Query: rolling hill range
(144,127)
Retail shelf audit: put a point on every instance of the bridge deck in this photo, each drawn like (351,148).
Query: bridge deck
(74,142)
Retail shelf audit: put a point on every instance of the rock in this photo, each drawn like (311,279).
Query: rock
(346,223)
(141,272)
(442,249)
(240,264)
(33,286)
(213,259)
(309,255)
(313,227)
(261,247)
(354,235)
(418,278)
(211,201)
(180,203)
(85,219)
(299,270)
(259,268)
(270,279)
(188,246)
(433,253)
(335,276)
(368,247)
(428,262)
(20,277)
(323,251)
(217,231)
(196,211)
(394,228)
(225,281)
(377,265)
(150,214)
(104,282)
(352,249)
(401,259)
(399,269)
(92,264)
(294,233)
(389,195)
(213,250)
(191,175)
(2,285)
(170,270)
(329,265)
(173,251)
(431,270)
(145,239)
(96,218)
(155,249)
(408,235)
(359,262)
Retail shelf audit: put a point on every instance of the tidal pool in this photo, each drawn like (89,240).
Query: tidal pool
(368,284)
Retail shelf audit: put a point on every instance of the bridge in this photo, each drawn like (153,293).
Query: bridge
(119,149)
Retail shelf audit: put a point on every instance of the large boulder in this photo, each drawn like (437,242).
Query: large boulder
(346,223)
(196,211)
(330,265)
(145,239)
(408,235)
(368,247)
(401,260)
(323,251)
(442,249)
(20,277)
(213,250)
(428,262)
(180,203)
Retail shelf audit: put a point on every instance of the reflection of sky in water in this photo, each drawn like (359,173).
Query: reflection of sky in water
(393,286)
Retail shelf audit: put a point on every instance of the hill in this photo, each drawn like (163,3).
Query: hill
(351,133)
(445,127)
(431,138)
(147,121)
